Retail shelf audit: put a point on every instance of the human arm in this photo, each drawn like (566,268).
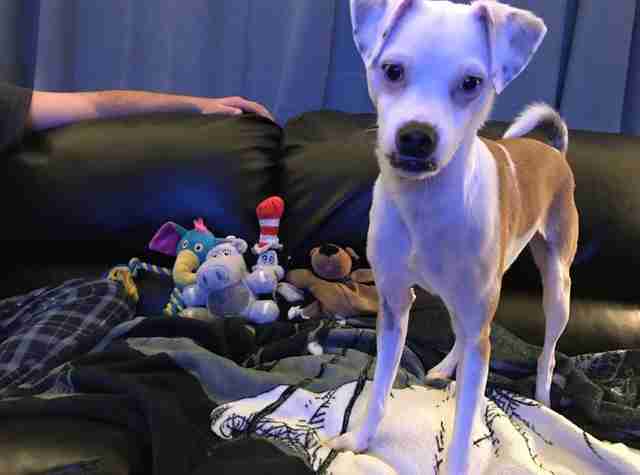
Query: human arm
(53,109)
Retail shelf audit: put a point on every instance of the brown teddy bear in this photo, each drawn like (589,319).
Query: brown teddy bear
(338,292)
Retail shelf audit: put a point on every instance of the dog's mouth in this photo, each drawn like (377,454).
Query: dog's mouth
(413,165)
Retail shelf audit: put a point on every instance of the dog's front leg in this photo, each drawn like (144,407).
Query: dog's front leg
(390,267)
(472,338)
(392,324)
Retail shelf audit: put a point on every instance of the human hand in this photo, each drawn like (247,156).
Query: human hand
(233,106)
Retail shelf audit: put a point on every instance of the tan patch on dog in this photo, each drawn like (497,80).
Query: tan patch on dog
(531,177)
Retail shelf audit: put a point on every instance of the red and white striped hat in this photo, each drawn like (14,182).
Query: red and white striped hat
(269,213)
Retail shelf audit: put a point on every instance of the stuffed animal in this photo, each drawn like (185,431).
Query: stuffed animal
(190,247)
(269,213)
(338,292)
(267,268)
(227,288)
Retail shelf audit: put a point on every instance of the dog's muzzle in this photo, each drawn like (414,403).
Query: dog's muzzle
(415,143)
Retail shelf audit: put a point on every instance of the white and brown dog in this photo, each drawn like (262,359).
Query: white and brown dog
(452,211)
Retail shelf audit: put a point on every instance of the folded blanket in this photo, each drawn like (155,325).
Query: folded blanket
(194,390)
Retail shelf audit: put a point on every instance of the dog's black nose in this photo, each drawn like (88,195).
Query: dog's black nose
(329,249)
(417,140)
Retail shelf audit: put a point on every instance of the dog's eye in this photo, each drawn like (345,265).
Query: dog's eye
(393,72)
(471,84)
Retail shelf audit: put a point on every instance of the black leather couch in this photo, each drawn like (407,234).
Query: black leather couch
(82,198)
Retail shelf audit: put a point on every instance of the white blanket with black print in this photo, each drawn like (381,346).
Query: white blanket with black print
(514,436)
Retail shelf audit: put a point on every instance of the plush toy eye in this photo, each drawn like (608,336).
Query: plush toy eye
(199,247)
(226,252)
(471,83)
(393,72)
(185,244)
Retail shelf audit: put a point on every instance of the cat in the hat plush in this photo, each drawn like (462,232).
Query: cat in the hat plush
(267,270)
(269,213)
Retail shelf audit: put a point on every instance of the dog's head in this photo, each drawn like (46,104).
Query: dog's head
(433,70)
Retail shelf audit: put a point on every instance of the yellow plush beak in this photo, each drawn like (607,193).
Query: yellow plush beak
(184,269)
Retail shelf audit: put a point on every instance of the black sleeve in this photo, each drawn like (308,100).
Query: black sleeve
(14,109)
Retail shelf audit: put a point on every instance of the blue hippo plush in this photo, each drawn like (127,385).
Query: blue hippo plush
(225,286)
(190,248)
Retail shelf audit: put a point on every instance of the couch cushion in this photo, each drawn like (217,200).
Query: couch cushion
(328,170)
(96,192)
(595,325)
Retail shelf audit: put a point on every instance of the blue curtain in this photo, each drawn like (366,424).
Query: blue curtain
(298,55)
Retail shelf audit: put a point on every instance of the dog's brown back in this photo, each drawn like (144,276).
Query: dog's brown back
(533,178)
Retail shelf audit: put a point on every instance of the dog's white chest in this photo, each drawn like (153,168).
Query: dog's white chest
(454,232)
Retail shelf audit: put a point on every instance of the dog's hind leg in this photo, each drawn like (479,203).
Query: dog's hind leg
(554,254)
(554,262)
(556,285)
(447,367)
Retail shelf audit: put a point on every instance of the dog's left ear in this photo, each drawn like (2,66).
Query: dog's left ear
(514,35)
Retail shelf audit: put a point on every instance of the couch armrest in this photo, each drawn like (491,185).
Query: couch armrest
(60,445)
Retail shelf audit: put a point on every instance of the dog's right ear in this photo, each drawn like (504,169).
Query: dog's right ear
(373,22)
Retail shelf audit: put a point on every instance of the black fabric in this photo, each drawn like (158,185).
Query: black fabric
(14,110)
(110,450)
(328,170)
(265,459)
(160,403)
(228,337)
(150,396)
(93,194)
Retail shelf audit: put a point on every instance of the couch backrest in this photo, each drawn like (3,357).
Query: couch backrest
(93,194)
(96,192)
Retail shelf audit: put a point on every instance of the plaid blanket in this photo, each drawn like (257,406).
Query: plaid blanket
(49,326)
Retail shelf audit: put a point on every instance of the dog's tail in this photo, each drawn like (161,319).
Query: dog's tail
(544,116)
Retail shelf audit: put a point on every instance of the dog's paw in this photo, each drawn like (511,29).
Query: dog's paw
(294,312)
(351,441)
(543,397)
(452,467)
(437,383)
(437,380)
